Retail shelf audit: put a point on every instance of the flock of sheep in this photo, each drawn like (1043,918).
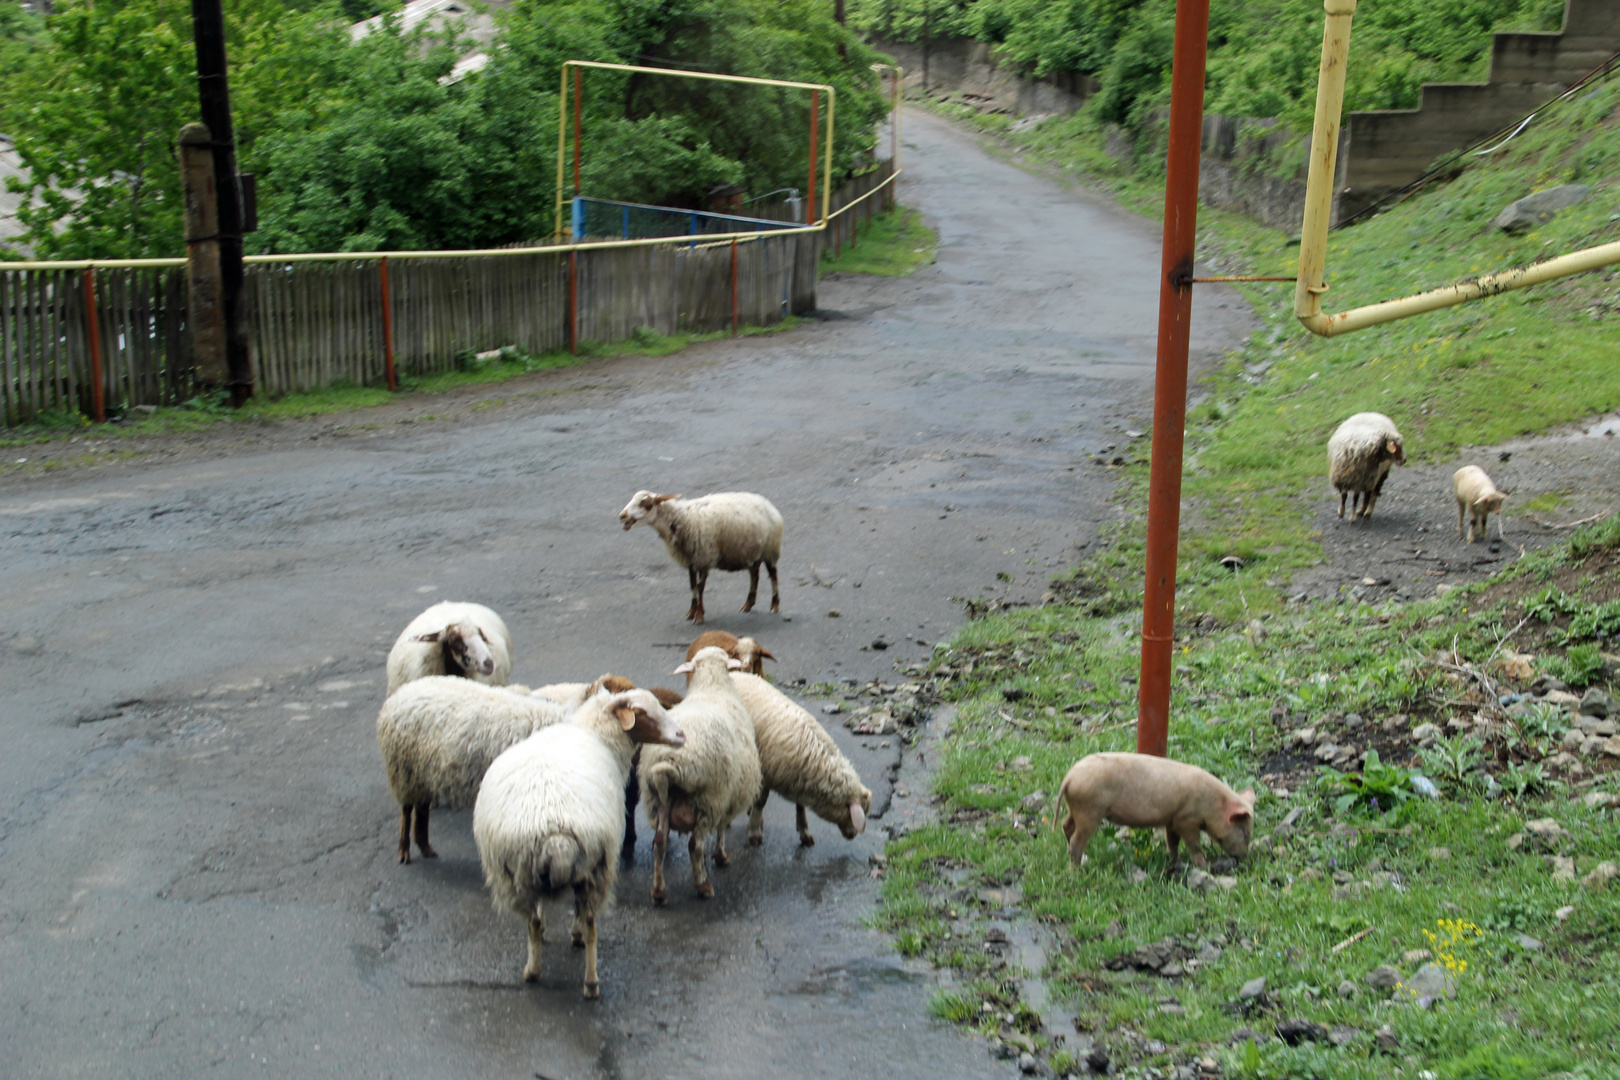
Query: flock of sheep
(553,774)
(1360,454)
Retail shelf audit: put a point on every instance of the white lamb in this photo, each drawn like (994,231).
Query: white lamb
(548,818)
(1360,454)
(1477,498)
(800,762)
(438,735)
(728,530)
(715,777)
(452,638)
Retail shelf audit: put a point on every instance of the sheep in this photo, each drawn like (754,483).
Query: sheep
(752,654)
(1359,456)
(799,761)
(700,788)
(437,736)
(1477,498)
(547,818)
(728,530)
(452,638)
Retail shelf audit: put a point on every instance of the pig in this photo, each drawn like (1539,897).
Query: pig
(1142,791)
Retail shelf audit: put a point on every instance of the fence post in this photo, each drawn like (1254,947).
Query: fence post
(388,323)
(204,279)
(92,330)
(573,302)
(733,286)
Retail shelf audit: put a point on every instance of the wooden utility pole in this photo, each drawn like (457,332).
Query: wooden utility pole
(204,290)
(208,28)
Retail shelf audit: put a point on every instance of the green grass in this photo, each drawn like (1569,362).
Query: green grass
(201,413)
(893,244)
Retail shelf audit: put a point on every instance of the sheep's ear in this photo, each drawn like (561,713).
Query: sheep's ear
(429,637)
(684,669)
(664,498)
(733,663)
(766,653)
(626,715)
(857,816)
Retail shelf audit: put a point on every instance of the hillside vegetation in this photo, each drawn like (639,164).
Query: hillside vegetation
(368,145)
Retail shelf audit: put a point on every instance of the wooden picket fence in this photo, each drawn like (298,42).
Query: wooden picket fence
(316,324)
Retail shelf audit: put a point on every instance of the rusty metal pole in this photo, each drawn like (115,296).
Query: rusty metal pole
(92,330)
(205,302)
(1170,386)
(388,323)
(578,94)
(810,203)
(733,286)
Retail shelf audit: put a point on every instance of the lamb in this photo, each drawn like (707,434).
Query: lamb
(1477,497)
(547,818)
(752,654)
(1360,454)
(728,530)
(452,638)
(799,761)
(700,788)
(438,734)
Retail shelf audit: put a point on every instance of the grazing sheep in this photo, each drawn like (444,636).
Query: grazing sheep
(451,638)
(701,787)
(752,654)
(728,530)
(547,819)
(439,734)
(1477,498)
(799,761)
(1360,454)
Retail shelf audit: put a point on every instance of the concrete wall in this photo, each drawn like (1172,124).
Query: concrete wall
(1253,167)
(1386,149)
(969,69)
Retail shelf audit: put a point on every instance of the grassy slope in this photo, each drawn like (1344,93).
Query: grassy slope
(1472,375)
(895,244)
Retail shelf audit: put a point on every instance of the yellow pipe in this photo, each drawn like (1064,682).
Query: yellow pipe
(697,75)
(1319,207)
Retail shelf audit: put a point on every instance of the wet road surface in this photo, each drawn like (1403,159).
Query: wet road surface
(197,870)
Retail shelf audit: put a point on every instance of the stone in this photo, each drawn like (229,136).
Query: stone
(1295,1031)
(1114,929)
(1137,876)
(1528,943)
(1426,733)
(1416,956)
(1572,740)
(1386,1040)
(1199,880)
(1223,865)
(1546,829)
(1563,869)
(1208,953)
(1343,1035)
(1564,912)
(1036,800)
(1256,630)
(1611,746)
(1600,800)
(1563,698)
(1596,703)
(1097,1060)
(1439,854)
(1310,873)
(1225,882)
(1253,990)
(1600,877)
(833,709)
(1027,1062)
(1383,977)
(1545,683)
(1430,981)
(1347,989)
(1523,215)
(1516,666)
(1326,751)
(1591,725)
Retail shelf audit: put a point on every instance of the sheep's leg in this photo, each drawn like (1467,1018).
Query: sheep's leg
(660,848)
(756,819)
(422,831)
(697,596)
(721,858)
(692,584)
(805,839)
(753,587)
(776,591)
(593,989)
(1342,496)
(404,834)
(1460,513)
(700,870)
(632,795)
(537,938)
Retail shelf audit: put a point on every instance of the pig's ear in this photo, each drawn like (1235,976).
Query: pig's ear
(1247,795)
(1239,814)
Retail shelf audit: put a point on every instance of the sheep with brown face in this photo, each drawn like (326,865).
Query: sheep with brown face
(728,530)
(468,641)
(1360,454)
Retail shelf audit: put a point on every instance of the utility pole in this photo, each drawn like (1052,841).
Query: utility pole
(208,28)
(205,312)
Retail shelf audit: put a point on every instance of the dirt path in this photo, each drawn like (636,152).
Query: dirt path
(196,851)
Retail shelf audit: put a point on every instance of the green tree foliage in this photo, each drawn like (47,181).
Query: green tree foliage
(369,145)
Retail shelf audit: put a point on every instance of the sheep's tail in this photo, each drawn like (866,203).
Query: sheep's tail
(561,863)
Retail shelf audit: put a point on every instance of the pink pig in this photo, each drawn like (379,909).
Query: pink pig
(1143,791)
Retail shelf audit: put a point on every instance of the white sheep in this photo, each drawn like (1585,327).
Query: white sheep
(728,530)
(438,735)
(752,654)
(1477,499)
(715,777)
(548,822)
(1360,454)
(800,762)
(452,638)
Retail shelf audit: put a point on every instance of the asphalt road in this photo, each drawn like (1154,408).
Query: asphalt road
(197,871)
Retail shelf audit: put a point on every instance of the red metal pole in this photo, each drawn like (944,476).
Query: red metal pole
(92,329)
(1170,388)
(388,324)
(815,114)
(578,77)
(573,302)
(733,286)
